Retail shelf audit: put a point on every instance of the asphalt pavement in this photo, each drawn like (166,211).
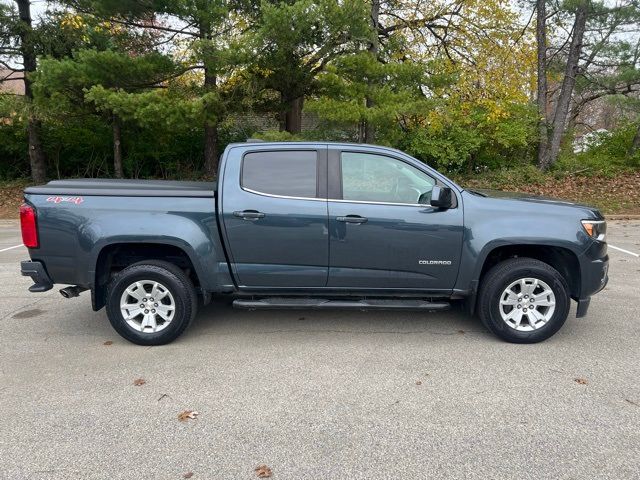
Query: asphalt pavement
(318,395)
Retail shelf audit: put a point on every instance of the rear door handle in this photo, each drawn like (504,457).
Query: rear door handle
(352,219)
(248,214)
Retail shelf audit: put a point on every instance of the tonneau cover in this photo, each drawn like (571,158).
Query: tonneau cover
(125,188)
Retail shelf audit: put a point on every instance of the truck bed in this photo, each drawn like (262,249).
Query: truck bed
(128,188)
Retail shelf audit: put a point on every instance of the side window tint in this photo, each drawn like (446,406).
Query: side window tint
(376,178)
(287,173)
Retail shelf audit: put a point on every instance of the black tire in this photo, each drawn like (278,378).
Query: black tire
(500,277)
(178,284)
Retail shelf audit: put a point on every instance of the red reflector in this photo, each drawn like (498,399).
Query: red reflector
(28,226)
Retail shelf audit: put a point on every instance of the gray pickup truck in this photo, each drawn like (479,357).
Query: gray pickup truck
(313,226)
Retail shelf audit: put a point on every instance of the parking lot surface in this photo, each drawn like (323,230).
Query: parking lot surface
(318,395)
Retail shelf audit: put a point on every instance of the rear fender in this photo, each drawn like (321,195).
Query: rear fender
(194,240)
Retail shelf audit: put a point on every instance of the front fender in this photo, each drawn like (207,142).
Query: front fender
(493,224)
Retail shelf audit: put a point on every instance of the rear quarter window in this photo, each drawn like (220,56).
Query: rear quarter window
(289,173)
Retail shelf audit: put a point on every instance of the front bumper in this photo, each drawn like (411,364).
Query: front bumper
(37,272)
(595,276)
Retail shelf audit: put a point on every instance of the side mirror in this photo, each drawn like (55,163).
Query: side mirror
(441,197)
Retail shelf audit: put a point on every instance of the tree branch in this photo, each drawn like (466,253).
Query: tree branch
(412,24)
(177,31)
(9,77)
(9,67)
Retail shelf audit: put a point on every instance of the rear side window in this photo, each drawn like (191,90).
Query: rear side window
(289,173)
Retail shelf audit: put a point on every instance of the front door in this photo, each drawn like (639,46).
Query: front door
(275,217)
(380,236)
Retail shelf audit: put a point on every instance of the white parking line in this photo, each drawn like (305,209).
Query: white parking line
(11,248)
(615,248)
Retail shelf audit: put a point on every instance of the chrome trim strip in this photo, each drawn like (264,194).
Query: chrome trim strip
(281,196)
(380,203)
(333,199)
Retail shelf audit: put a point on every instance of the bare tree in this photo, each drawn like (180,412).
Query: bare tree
(568,83)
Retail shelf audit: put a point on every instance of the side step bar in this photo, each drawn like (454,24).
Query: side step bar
(323,303)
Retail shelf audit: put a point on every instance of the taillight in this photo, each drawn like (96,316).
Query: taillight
(28,226)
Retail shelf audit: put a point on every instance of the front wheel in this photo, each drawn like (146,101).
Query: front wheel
(523,300)
(151,303)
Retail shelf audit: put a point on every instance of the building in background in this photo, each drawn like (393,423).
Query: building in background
(11,82)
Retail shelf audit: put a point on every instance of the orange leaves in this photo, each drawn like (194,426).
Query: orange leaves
(262,471)
(187,415)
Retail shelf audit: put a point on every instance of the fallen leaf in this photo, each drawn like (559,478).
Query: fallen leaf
(187,475)
(418,382)
(263,471)
(108,342)
(581,381)
(139,381)
(187,414)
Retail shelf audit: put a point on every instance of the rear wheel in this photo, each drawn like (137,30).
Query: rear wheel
(523,300)
(151,303)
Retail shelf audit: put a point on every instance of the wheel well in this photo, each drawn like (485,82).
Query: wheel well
(562,259)
(116,257)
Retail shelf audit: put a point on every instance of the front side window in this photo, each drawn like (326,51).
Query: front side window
(368,177)
(289,174)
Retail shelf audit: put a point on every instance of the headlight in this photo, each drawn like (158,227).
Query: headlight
(596,229)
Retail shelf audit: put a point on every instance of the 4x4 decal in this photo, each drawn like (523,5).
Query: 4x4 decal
(76,200)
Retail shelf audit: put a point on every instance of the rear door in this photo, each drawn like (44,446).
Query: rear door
(274,210)
(381,237)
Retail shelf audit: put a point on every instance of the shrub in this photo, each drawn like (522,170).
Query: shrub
(608,158)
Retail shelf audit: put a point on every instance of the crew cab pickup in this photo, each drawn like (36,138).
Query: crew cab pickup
(313,226)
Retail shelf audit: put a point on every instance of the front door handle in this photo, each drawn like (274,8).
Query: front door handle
(248,214)
(352,219)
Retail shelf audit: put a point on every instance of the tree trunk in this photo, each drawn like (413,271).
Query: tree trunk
(635,145)
(211,149)
(37,157)
(541,39)
(210,124)
(568,83)
(374,47)
(293,115)
(117,147)
(210,132)
(574,112)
